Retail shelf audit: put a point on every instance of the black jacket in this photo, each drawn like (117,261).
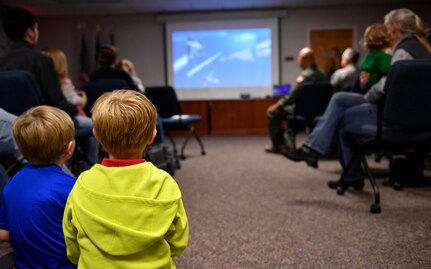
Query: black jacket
(23,56)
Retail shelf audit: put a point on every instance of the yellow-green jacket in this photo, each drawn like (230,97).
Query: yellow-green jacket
(125,217)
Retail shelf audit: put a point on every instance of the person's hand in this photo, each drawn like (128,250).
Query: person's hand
(300,79)
(83,96)
(364,76)
(275,108)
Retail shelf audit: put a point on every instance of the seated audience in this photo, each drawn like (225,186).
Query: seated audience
(21,27)
(108,60)
(377,62)
(129,67)
(125,206)
(349,71)
(351,111)
(33,200)
(276,113)
(73,96)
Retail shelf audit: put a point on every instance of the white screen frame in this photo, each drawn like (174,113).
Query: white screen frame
(214,93)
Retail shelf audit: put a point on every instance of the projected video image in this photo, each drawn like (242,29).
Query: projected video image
(222,58)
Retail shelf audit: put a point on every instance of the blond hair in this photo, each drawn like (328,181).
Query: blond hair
(377,37)
(124,121)
(127,66)
(43,133)
(60,61)
(408,23)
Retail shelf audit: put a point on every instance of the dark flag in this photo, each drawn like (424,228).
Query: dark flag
(97,42)
(83,59)
(111,37)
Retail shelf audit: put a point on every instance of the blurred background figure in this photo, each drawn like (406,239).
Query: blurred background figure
(349,71)
(129,67)
(73,96)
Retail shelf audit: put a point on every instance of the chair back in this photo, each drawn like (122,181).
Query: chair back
(408,95)
(165,100)
(312,99)
(19,91)
(95,88)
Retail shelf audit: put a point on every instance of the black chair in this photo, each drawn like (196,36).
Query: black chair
(310,103)
(166,101)
(404,121)
(95,88)
(19,91)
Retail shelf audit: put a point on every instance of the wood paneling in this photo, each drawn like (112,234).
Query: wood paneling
(230,116)
(328,45)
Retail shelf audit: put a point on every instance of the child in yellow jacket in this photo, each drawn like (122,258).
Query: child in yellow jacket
(125,212)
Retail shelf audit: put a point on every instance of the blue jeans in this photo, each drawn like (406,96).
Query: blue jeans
(330,126)
(89,146)
(361,120)
(8,146)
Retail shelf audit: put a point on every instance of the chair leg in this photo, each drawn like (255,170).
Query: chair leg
(199,141)
(375,208)
(192,131)
(174,145)
(189,134)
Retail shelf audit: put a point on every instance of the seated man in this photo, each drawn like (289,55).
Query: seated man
(286,105)
(349,72)
(21,27)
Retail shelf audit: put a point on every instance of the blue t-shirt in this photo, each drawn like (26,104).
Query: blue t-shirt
(32,211)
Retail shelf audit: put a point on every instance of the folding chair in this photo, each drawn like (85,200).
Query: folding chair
(166,101)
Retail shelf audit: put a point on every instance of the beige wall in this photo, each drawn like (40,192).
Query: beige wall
(140,37)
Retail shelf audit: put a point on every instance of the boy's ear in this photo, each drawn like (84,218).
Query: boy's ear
(95,135)
(70,147)
(152,137)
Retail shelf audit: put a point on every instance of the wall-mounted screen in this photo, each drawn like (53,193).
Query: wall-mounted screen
(222,59)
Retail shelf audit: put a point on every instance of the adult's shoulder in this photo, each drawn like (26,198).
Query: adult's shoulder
(413,47)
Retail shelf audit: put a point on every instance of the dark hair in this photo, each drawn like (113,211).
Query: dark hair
(428,35)
(16,22)
(355,57)
(107,56)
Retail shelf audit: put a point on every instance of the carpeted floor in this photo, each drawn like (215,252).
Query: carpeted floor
(251,209)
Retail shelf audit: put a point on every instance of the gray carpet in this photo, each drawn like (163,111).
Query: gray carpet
(251,209)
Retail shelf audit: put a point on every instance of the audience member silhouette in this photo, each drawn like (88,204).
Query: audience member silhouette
(22,29)
(108,60)
(349,71)
(73,96)
(277,112)
(129,67)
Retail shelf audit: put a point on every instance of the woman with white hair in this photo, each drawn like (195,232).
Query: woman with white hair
(350,111)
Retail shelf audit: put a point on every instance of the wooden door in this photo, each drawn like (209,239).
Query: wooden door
(328,45)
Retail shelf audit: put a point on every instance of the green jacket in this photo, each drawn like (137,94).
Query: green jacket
(377,64)
(125,217)
(310,74)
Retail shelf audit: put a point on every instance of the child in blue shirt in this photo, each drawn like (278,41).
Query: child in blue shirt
(33,200)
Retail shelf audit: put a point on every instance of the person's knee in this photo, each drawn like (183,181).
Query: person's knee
(338,96)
